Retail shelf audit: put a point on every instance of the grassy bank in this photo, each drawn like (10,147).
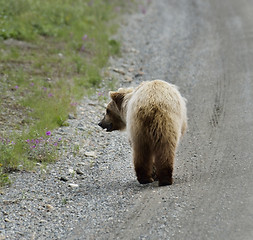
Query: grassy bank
(51,55)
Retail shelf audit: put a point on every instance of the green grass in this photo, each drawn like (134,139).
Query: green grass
(51,54)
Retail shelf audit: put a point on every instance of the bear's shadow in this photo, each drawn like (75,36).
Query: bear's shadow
(119,185)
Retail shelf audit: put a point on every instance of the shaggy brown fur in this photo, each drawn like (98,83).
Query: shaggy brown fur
(154,115)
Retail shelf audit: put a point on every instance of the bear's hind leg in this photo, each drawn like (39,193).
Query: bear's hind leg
(164,167)
(143,163)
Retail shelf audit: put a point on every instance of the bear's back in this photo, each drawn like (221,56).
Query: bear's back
(157,110)
(156,94)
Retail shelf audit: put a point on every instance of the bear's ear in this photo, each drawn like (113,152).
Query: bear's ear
(117,97)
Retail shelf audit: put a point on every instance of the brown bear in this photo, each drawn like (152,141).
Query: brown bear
(154,115)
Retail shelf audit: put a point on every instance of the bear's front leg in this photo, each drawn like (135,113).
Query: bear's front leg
(143,163)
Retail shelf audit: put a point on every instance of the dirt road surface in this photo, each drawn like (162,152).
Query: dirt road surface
(91,192)
(206,48)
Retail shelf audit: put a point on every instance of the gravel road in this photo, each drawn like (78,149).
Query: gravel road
(204,47)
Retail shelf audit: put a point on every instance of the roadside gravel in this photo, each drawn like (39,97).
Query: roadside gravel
(93,182)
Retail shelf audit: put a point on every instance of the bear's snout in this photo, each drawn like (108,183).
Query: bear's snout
(100,124)
(107,126)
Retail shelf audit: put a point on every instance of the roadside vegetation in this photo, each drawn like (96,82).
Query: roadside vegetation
(51,54)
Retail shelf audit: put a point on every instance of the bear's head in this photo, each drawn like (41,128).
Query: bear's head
(114,118)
